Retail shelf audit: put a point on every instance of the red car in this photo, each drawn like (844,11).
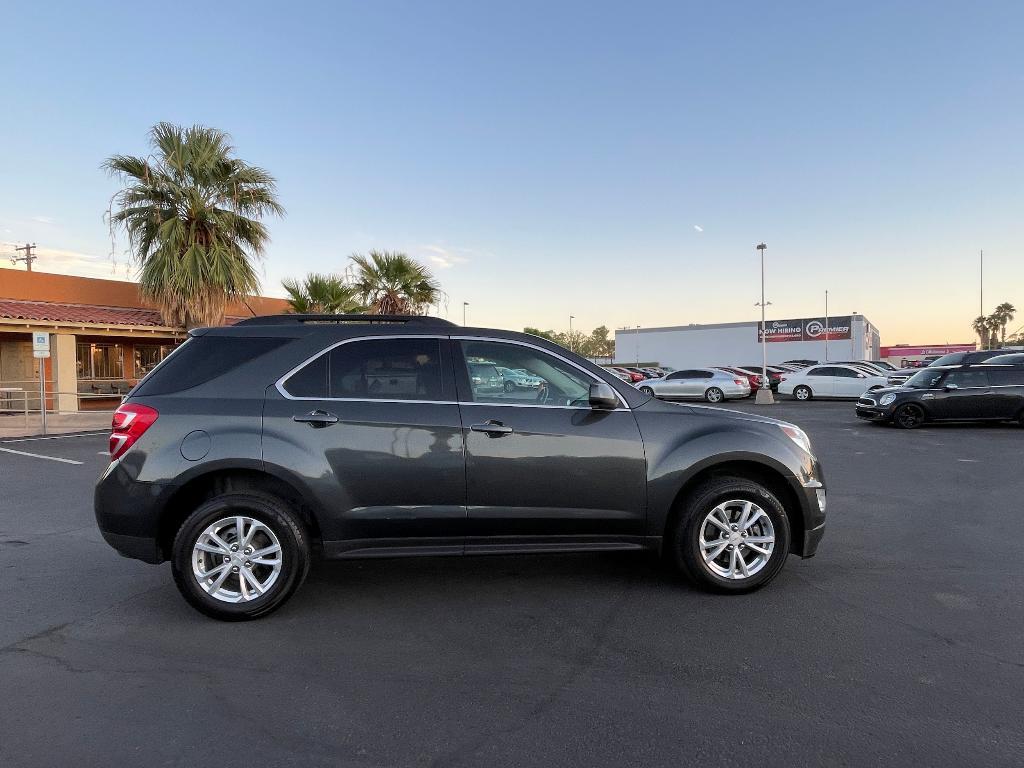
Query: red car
(631,376)
(753,378)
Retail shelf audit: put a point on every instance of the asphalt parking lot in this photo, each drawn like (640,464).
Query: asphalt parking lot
(899,644)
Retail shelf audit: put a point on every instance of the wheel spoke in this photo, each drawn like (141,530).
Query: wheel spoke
(759,540)
(219,541)
(252,532)
(753,519)
(259,553)
(732,561)
(253,581)
(757,549)
(713,519)
(211,588)
(214,550)
(720,548)
(239,530)
(741,562)
(747,506)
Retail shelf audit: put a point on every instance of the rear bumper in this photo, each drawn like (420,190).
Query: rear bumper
(128,514)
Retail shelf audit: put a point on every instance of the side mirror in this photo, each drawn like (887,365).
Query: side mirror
(951,387)
(603,397)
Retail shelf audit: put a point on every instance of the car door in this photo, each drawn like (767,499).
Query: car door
(373,429)
(1007,391)
(543,468)
(673,385)
(821,380)
(963,394)
(849,382)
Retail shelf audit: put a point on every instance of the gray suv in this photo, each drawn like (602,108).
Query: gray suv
(254,447)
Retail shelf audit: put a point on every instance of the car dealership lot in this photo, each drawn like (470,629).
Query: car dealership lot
(899,642)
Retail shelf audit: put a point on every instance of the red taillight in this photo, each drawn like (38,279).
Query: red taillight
(129,423)
(738,382)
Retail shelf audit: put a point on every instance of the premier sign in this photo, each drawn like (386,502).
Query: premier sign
(807,329)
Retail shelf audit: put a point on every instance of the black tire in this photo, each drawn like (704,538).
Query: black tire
(509,386)
(714,395)
(803,393)
(271,512)
(909,416)
(684,540)
(647,391)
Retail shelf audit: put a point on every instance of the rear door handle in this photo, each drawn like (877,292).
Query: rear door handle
(316,419)
(492,429)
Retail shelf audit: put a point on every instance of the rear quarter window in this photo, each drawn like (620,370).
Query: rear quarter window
(202,359)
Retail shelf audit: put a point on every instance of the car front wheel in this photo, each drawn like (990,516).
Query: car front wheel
(909,416)
(732,535)
(802,393)
(647,391)
(240,556)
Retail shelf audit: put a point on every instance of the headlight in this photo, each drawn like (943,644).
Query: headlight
(887,399)
(797,435)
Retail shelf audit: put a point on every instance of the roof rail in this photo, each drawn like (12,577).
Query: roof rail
(299,319)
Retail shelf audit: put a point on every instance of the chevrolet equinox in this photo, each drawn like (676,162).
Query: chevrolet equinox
(253,447)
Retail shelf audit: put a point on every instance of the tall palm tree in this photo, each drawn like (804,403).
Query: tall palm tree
(322,294)
(1004,313)
(391,283)
(191,210)
(980,326)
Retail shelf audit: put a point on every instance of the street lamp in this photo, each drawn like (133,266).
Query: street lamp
(464,305)
(571,344)
(764,392)
(638,346)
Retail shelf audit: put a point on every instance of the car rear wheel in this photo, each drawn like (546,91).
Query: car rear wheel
(802,393)
(240,556)
(509,386)
(714,395)
(647,391)
(909,416)
(732,535)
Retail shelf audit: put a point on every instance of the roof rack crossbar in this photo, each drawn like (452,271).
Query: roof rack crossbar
(300,319)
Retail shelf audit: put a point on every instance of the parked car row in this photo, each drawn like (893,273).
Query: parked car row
(800,379)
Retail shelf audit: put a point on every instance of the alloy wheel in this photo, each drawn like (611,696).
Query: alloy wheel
(714,395)
(802,393)
(909,416)
(736,539)
(236,559)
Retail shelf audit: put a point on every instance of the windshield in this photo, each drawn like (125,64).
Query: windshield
(924,379)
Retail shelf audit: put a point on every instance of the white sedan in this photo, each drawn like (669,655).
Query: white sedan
(840,381)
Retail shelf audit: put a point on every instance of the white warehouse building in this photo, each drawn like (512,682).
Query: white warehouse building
(850,337)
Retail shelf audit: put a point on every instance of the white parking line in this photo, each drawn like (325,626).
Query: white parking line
(52,437)
(40,456)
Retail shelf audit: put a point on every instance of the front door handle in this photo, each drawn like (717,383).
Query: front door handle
(492,428)
(317,419)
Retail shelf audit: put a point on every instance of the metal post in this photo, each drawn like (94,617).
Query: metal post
(637,332)
(571,344)
(464,305)
(42,391)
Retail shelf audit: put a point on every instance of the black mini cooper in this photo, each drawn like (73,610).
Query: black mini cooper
(949,393)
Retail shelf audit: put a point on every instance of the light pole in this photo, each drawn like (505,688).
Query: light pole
(826,325)
(464,305)
(764,392)
(637,346)
(571,344)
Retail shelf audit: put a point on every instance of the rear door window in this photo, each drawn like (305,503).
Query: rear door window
(965,379)
(373,369)
(202,359)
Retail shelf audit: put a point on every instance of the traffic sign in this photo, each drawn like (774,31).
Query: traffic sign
(40,344)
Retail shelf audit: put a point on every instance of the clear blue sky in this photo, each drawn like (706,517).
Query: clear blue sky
(556,158)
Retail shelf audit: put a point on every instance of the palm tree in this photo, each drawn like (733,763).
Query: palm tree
(981,328)
(391,283)
(1004,314)
(324,295)
(191,210)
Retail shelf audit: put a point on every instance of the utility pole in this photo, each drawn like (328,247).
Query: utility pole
(464,305)
(981,283)
(638,346)
(571,343)
(28,258)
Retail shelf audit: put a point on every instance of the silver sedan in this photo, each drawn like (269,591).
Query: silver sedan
(697,384)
